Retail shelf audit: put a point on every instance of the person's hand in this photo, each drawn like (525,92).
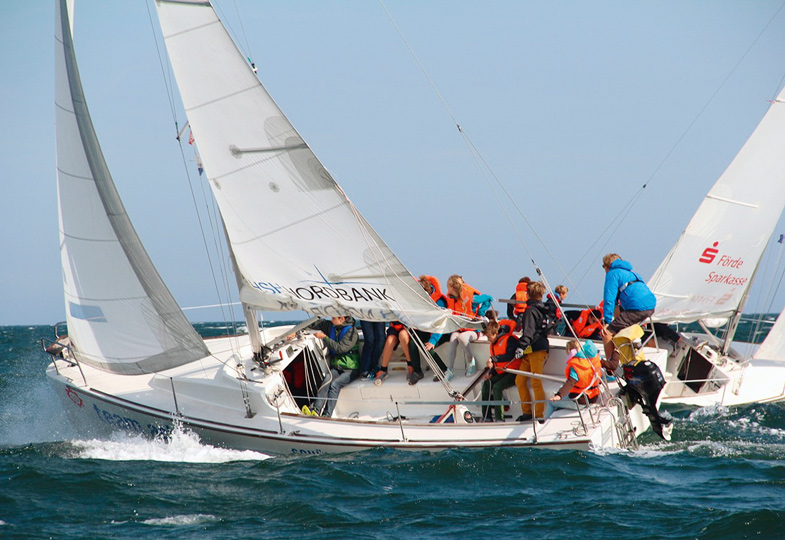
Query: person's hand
(319,334)
(487,376)
(428,346)
(557,397)
(489,363)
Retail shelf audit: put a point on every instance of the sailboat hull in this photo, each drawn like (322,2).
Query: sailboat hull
(210,401)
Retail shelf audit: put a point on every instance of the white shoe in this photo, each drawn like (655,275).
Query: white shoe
(472,369)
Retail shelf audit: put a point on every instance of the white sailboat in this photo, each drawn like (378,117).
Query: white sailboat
(131,360)
(706,278)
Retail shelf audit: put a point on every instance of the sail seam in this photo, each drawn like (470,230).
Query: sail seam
(222,98)
(298,222)
(189,30)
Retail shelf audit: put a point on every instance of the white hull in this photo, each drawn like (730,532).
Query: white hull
(727,381)
(208,399)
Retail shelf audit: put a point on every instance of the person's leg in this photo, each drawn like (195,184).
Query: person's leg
(339,381)
(500,383)
(387,352)
(404,338)
(537,362)
(486,392)
(369,346)
(324,389)
(452,349)
(522,382)
(465,340)
(378,330)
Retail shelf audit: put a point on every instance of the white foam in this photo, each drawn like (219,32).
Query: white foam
(706,412)
(182,446)
(189,519)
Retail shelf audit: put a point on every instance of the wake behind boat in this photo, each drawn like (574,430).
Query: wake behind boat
(130,360)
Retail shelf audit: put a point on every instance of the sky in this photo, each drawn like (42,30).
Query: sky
(573,106)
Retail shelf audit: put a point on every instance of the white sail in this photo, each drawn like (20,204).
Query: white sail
(120,315)
(710,268)
(773,347)
(299,243)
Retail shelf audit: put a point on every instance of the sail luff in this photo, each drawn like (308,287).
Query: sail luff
(121,317)
(711,267)
(298,241)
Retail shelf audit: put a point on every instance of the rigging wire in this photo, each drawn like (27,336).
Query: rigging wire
(169,88)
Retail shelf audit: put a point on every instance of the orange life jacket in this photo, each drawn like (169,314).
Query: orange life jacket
(436,293)
(582,327)
(499,346)
(521,296)
(588,378)
(397,326)
(460,306)
(468,292)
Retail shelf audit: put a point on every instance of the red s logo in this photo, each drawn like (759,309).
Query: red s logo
(709,253)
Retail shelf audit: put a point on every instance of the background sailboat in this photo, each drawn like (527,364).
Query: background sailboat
(708,273)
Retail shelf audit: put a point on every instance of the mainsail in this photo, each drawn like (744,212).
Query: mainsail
(298,241)
(120,315)
(709,270)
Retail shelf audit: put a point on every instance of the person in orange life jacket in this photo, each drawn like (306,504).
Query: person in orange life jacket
(534,334)
(430,341)
(462,299)
(515,310)
(503,346)
(588,324)
(340,337)
(583,374)
(627,289)
(553,309)
(396,333)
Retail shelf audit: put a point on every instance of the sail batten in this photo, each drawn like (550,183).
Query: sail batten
(297,240)
(120,315)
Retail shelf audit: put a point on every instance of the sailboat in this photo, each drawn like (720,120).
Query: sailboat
(706,278)
(131,361)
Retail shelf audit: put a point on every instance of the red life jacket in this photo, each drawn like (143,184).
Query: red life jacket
(588,379)
(499,346)
(397,326)
(521,296)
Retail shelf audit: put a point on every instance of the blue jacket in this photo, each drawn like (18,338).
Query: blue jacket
(635,295)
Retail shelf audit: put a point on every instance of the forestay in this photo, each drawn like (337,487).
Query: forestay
(710,268)
(120,315)
(298,242)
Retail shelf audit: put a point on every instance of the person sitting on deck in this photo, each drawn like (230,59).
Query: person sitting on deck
(560,293)
(340,337)
(430,341)
(583,374)
(464,300)
(396,333)
(497,380)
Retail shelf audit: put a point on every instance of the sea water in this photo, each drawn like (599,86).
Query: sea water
(722,476)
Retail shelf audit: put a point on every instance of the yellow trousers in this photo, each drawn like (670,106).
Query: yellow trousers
(532,362)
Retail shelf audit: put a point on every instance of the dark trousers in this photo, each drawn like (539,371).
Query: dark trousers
(373,343)
(414,352)
(495,386)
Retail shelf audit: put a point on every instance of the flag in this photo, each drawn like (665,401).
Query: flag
(199,166)
(782,237)
(190,137)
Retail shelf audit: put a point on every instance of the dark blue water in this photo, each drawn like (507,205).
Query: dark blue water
(721,477)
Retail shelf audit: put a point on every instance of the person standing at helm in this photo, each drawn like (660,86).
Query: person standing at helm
(624,288)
